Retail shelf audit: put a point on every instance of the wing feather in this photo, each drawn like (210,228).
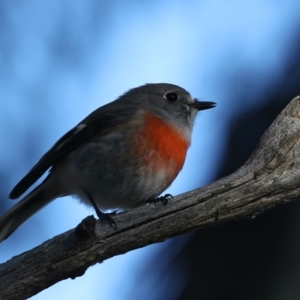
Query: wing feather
(99,122)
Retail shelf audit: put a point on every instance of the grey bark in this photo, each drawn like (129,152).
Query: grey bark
(270,177)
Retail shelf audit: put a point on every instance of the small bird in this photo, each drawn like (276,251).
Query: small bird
(124,154)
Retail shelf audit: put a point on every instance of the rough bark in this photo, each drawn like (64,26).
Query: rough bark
(270,177)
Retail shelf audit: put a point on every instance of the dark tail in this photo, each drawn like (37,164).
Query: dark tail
(22,211)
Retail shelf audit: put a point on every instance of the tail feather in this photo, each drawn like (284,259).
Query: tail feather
(22,211)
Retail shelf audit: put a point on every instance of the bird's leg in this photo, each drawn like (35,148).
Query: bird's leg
(103,217)
(161,199)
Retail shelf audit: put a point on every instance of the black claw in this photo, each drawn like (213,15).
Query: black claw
(104,218)
(162,199)
(107,219)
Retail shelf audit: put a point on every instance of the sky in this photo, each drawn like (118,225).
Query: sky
(60,60)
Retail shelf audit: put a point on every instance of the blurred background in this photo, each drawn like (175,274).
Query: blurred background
(61,59)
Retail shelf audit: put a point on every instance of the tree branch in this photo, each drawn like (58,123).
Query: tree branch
(270,177)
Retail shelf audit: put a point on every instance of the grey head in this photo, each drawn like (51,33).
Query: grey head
(173,103)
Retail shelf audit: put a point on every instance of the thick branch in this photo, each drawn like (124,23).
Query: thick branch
(270,177)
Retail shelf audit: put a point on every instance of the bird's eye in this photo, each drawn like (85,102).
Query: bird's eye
(172,97)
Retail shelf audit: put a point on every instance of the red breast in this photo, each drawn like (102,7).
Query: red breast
(162,147)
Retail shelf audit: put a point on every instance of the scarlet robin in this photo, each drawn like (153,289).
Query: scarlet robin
(124,154)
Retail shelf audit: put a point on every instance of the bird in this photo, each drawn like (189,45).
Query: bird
(123,155)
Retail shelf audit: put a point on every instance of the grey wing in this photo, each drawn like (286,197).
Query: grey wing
(97,123)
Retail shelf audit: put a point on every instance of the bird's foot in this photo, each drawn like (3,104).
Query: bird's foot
(161,199)
(105,218)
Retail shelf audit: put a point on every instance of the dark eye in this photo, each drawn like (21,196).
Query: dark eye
(172,97)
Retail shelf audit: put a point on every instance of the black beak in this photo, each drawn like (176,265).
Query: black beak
(201,105)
